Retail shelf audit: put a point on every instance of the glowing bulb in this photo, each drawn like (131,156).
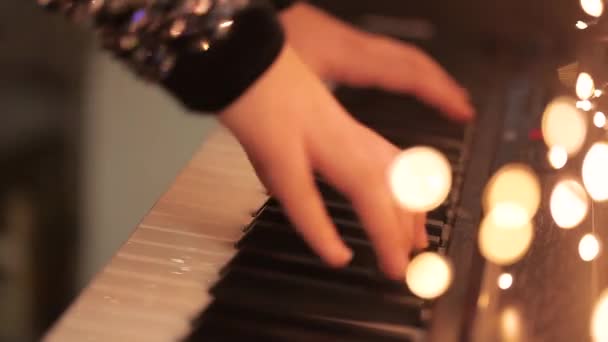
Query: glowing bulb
(501,242)
(511,325)
(429,275)
(420,178)
(585,86)
(505,281)
(516,184)
(558,157)
(564,125)
(595,171)
(589,247)
(584,105)
(581,25)
(599,317)
(598,93)
(599,120)
(568,204)
(594,8)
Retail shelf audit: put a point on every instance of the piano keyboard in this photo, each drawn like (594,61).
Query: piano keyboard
(276,289)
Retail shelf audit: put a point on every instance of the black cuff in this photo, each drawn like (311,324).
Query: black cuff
(283,4)
(211,80)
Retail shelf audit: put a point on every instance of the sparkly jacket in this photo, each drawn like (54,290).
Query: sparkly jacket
(205,52)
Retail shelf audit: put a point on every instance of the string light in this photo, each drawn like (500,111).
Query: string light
(557,156)
(420,178)
(429,275)
(581,25)
(599,317)
(568,204)
(585,87)
(599,119)
(511,325)
(505,280)
(589,247)
(598,93)
(595,171)
(584,105)
(594,8)
(516,184)
(564,125)
(503,239)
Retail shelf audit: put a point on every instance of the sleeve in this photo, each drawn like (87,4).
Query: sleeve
(283,4)
(204,52)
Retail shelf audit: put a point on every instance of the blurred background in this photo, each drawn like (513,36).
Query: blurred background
(85,150)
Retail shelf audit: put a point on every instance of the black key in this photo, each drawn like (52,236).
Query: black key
(222,319)
(275,239)
(347,228)
(269,291)
(347,277)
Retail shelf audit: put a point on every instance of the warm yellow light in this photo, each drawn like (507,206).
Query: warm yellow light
(584,86)
(516,184)
(584,105)
(599,318)
(429,275)
(581,25)
(511,325)
(595,171)
(504,242)
(569,204)
(589,247)
(594,8)
(505,281)
(599,119)
(420,178)
(598,93)
(558,157)
(564,125)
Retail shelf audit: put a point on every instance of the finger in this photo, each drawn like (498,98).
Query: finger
(399,67)
(407,229)
(421,240)
(290,179)
(355,161)
(375,208)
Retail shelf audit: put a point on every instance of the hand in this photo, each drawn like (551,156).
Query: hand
(339,52)
(290,125)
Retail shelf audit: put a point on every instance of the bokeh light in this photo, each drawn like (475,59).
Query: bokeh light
(568,204)
(581,25)
(599,319)
(557,156)
(564,125)
(585,105)
(505,280)
(516,184)
(595,171)
(420,178)
(599,119)
(584,86)
(503,243)
(594,8)
(429,275)
(589,247)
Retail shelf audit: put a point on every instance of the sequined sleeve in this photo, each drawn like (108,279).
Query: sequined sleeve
(205,52)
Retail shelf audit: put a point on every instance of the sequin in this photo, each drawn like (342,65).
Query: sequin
(178,28)
(151,34)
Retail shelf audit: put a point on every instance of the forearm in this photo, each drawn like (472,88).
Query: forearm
(205,52)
